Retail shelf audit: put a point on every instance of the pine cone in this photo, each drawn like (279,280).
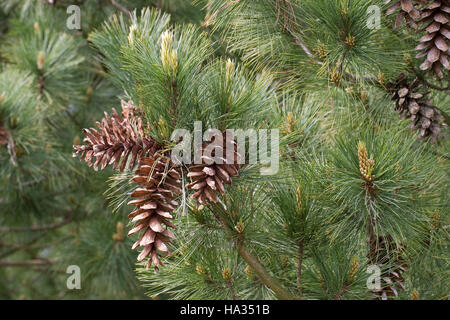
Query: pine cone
(410,103)
(385,254)
(159,185)
(407,11)
(435,43)
(116,139)
(210,178)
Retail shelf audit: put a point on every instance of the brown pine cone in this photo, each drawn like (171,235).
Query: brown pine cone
(210,178)
(117,137)
(407,11)
(435,45)
(411,103)
(159,184)
(386,254)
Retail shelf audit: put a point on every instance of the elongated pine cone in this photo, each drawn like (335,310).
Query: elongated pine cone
(118,137)
(387,255)
(435,45)
(406,11)
(159,185)
(210,177)
(411,103)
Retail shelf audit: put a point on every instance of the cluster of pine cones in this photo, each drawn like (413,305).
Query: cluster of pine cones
(433,16)
(124,141)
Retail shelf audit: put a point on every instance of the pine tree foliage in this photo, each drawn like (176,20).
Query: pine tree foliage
(54,213)
(355,190)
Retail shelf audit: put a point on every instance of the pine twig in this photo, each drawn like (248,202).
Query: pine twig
(121,8)
(257,266)
(15,249)
(67,220)
(341,292)
(29,263)
(439,154)
(215,14)
(428,84)
(262,273)
(31,246)
(231,288)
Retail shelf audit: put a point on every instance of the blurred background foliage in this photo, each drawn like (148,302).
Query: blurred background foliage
(54,211)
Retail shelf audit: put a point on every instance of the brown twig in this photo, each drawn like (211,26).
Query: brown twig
(30,246)
(262,273)
(341,292)
(29,263)
(439,154)
(13,250)
(256,265)
(121,8)
(215,14)
(428,84)
(231,288)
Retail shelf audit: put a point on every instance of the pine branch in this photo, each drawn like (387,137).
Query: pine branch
(428,84)
(349,77)
(257,266)
(297,39)
(29,263)
(439,154)
(341,292)
(231,288)
(31,245)
(210,18)
(262,273)
(15,249)
(67,220)
(121,7)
